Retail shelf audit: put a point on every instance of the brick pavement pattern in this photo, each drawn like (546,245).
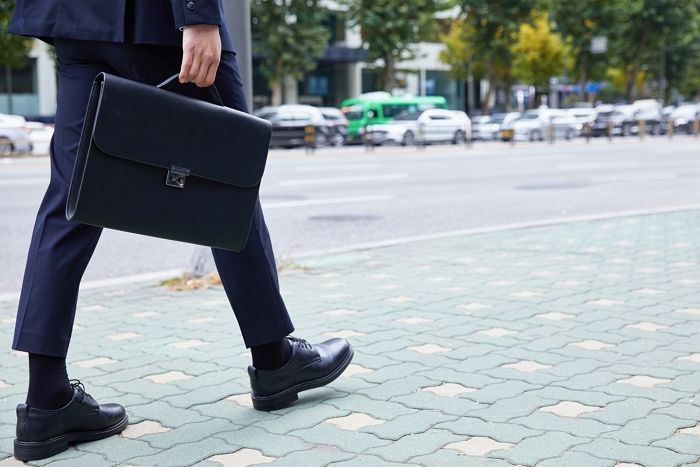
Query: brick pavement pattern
(569,345)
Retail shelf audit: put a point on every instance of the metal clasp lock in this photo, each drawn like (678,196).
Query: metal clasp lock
(176,176)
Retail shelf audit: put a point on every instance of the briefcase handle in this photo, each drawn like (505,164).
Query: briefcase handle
(212,89)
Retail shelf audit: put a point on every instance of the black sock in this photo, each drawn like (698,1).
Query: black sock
(49,387)
(271,356)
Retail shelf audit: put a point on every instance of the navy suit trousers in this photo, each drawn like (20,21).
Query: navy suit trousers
(60,250)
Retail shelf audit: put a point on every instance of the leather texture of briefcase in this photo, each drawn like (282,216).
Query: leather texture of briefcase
(157,163)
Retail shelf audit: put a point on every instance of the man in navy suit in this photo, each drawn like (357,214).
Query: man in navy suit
(145,41)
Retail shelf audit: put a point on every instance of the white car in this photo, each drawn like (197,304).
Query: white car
(684,116)
(583,116)
(14,136)
(537,125)
(490,127)
(429,126)
(40,137)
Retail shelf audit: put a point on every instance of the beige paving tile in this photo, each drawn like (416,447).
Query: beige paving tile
(643,381)
(695,358)
(429,348)
(188,344)
(478,446)
(401,299)
(448,389)
(203,320)
(241,458)
(12,462)
(354,421)
(554,316)
(627,464)
(145,314)
(94,362)
(354,369)
(474,306)
(693,430)
(569,283)
(647,326)
(690,311)
(526,294)
(146,427)
(526,366)
(569,409)
(500,283)
(414,320)
(649,291)
(605,302)
(339,312)
(3,384)
(169,377)
(590,344)
(125,336)
(496,332)
(243,400)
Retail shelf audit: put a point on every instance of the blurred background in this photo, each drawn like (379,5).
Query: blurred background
(395,119)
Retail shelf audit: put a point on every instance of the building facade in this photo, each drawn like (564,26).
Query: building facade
(30,90)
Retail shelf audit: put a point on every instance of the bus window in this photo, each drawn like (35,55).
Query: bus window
(392,110)
(354,112)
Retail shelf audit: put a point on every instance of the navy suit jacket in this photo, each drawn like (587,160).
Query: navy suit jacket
(135,21)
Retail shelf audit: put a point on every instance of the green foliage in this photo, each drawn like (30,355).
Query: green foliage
(13,49)
(291,36)
(390,28)
(539,52)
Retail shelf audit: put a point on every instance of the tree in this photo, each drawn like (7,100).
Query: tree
(391,28)
(579,22)
(647,27)
(489,30)
(539,53)
(291,36)
(13,49)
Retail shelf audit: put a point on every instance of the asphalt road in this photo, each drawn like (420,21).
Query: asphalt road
(341,197)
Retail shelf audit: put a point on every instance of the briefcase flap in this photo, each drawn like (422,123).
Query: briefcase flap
(161,128)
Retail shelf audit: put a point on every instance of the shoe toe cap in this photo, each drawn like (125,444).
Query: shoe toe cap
(335,349)
(113,412)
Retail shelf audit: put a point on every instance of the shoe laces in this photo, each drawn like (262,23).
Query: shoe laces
(301,342)
(76,384)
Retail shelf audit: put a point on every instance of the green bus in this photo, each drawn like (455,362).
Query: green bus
(382,107)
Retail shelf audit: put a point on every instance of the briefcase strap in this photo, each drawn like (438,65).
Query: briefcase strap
(214,92)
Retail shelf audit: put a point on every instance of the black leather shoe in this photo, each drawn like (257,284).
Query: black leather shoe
(310,366)
(44,433)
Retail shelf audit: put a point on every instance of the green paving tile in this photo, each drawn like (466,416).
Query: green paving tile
(414,445)
(318,456)
(118,449)
(270,444)
(185,454)
(645,455)
(531,450)
(648,429)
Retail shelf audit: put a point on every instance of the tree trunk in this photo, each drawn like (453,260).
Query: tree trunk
(486,101)
(388,75)
(276,88)
(583,77)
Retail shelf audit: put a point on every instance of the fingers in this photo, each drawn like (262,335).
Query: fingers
(187,56)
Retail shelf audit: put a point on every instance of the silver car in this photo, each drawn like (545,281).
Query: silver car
(14,137)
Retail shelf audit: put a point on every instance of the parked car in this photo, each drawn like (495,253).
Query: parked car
(338,123)
(683,117)
(649,111)
(433,125)
(583,117)
(290,123)
(490,127)
(625,120)
(537,124)
(40,137)
(14,137)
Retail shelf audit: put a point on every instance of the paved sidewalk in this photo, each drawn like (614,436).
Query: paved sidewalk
(570,345)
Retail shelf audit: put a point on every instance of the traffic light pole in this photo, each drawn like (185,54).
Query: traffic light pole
(237,14)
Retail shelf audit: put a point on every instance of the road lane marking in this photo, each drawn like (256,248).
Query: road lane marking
(326,201)
(23,181)
(635,178)
(598,165)
(330,166)
(350,179)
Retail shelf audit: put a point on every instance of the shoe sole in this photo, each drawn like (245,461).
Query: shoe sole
(35,450)
(284,398)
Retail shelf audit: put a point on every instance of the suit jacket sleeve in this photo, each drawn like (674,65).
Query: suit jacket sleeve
(189,12)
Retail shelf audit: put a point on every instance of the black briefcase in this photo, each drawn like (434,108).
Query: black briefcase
(157,163)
